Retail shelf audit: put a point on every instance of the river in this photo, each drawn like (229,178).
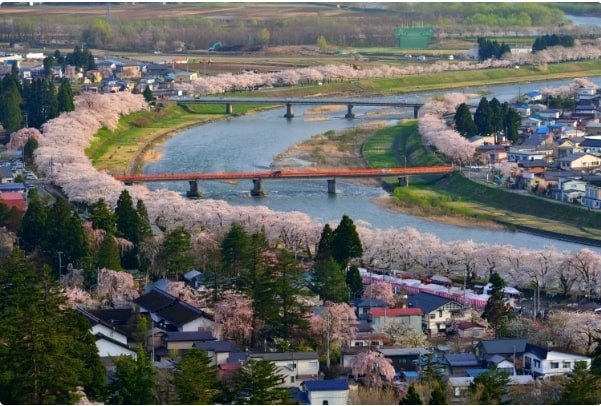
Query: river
(250,142)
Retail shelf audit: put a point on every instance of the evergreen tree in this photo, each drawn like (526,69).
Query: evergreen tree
(494,311)
(133,382)
(234,251)
(50,100)
(102,216)
(258,382)
(11,117)
(483,118)
(65,96)
(324,248)
(464,122)
(33,96)
(328,281)
(195,379)
(438,396)
(47,349)
(30,146)
(490,387)
(49,62)
(511,122)
(346,243)
(175,253)
(147,93)
(496,111)
(128,227)
(144,227)
(411,398)
(108,254)
(582,388)
(354,280)
(33,226)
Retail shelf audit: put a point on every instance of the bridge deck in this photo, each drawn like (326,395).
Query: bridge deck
(304,100)
(288,174)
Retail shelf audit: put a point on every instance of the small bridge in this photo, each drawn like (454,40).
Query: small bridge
(257,176)
(289,102)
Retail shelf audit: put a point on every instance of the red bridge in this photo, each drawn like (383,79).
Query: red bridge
(257,176)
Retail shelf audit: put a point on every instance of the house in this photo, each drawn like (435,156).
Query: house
(593,128)
(579,161)
(532,96)
(459,363)
(492,154)
(6,175)
(294,366)
(219,351)
(591,146)
(171,313)
(185,77)
(110,340)
(508,348)
(540,361)
(365,306)
(326,392)
(403,358)
(179,340)
(569,190)
(194,278)
(460,386)
(384,317)
(14,199)
(502,364)
(469,329)
(439,313)
(592,197)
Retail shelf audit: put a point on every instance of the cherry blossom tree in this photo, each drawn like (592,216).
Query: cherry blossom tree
(379,289)
(234,319)
(336,320)
(372,365)
(19,138)
(116,288)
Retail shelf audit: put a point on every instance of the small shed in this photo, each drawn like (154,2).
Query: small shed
(469,329)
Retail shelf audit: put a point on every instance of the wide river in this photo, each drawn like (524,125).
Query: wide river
(250,142)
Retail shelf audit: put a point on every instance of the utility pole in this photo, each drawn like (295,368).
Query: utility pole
(328,326)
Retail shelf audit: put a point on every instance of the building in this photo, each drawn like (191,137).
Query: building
(540,361)
(579,161)
(382,317)
(439,313)
(326,392)
(295,366)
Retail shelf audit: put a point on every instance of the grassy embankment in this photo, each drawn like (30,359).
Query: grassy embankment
(458,196)
(120,150)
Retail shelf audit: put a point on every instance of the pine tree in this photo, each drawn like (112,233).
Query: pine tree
(128,227)
(11,117)
(324,248)
(65,97)
(147,93)
(33,225)
(354,280)
(108,254)
(258,382)
(234,251)
(50,101)
(582,388)
(490,387)
(464,122)
(102,216)
(133,382)
(174,254)
(328,281)
(47,349)
(494,311)
(195,379)
(412,397)
(483,118)
(144,227)
(496,111)
(346,243)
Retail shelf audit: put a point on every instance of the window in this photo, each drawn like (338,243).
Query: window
(567,364)
(292,379)
(432,316)
(554,365)
(536,363)
(440,313)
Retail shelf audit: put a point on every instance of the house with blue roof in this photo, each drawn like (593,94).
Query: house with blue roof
(439,312)
(532,96)
(326,392)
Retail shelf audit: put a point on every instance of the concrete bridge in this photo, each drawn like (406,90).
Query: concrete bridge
(402,175)
(289,102)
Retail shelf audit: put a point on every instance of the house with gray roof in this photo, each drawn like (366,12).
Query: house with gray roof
(439,312)
(294,366)
(219,351)
(508,348)
(459,363)
(591,146)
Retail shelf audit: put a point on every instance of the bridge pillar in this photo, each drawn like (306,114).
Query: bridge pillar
(349,111)
(331,186)
(415,110)
(257,189)
(289,111)
(228,108)
(403,180)
(193,193)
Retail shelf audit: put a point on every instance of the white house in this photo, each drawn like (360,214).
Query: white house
(326,392)
(295,366)
(592,197)
(519,155)
(110,341)
(540,361)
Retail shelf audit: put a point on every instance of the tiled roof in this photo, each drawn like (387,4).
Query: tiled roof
(326,385)
(216,346)
(154,300)
(591,142)
(539,352)
(504,345)
(189,336)
(461,360)
(410,311)
(180,313)
(427,302)
(372,303)
(284,356)
(468,324)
